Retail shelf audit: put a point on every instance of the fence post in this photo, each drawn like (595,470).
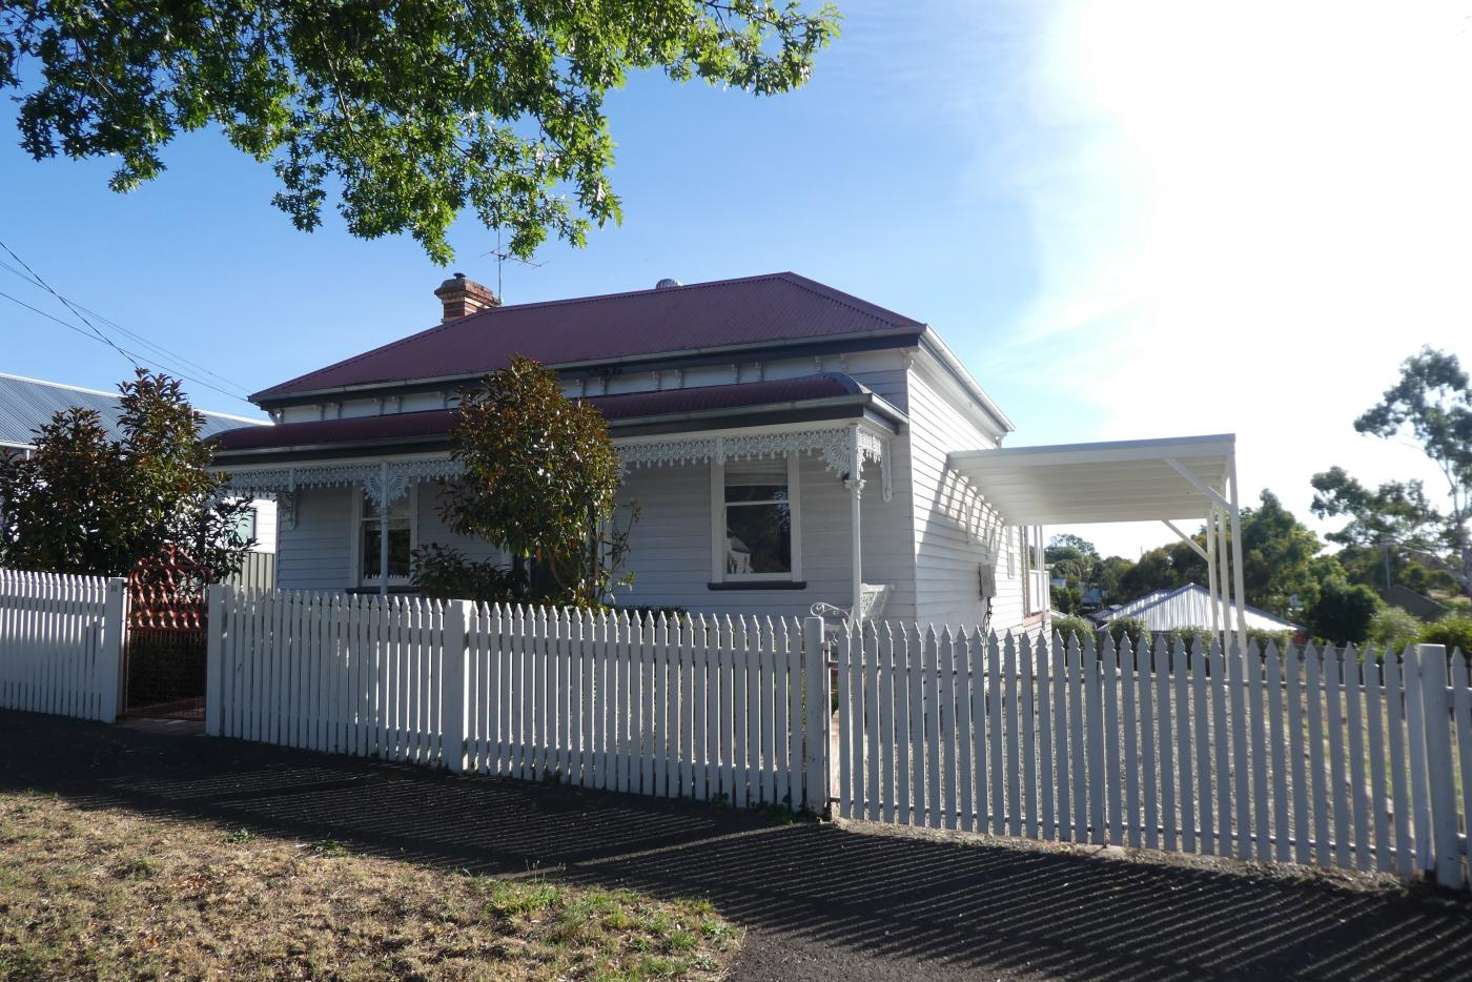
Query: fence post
(214,640)
(458,614)
(1442,796)
(819,711)
(110,674)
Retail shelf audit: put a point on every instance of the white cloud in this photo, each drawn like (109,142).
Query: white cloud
(1245,217)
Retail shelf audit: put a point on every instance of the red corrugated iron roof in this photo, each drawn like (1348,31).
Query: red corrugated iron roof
(775,308)
(433,424)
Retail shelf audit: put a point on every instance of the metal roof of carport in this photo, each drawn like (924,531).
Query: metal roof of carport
(1124,481)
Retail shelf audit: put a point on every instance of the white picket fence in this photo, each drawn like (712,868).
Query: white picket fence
(355,675)
(1309,756)
(667,706)
(1316,756)
(61,643)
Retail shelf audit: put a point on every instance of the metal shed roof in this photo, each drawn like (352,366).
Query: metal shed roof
(1125,481)
(26,403)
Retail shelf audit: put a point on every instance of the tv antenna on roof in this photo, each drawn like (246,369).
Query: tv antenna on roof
(501,255)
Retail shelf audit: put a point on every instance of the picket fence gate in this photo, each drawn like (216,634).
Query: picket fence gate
(1324,756)
(670,706)
(61,643)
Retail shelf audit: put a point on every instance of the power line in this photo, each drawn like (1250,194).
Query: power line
(95,330)
(34,278)
(141,339)
(134,358)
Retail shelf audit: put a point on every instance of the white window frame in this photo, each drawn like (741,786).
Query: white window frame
(718,530)
(255,521)
(355,540)
(1036,594)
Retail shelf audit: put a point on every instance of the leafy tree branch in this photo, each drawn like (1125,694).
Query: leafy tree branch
(1433,402)
(411,111)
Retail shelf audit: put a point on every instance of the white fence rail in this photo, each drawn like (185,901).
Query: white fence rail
(61,644)
(677,707)
(1309,755)
(1331,757)
(357,675)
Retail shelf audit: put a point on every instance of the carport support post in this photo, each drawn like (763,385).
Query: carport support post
(110,673)
(1237,580)
(1223,580)
(458,617)
(1211,588)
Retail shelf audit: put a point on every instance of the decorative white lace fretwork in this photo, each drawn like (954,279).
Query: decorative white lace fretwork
(384,482)
(844,450)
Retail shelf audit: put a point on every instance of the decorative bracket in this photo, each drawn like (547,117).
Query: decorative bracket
(843,449)
(384,482)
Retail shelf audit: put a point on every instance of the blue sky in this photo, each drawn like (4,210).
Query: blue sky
(1129,219)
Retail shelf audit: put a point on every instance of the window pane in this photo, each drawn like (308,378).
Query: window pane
(398,512)
(245,524)
(739,472)
(370,552)
(398,552)
(756,492)
(759,539)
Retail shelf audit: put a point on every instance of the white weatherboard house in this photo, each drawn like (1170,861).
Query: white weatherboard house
(790,446)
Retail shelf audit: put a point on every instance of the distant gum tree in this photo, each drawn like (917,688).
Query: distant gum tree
(1433,402)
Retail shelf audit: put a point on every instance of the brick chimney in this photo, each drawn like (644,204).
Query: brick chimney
(462,297)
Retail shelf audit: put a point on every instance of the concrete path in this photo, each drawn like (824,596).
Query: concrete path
(819,902)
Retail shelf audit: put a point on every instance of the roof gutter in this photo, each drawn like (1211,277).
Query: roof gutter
(650,358)
(933,343)
(670,422)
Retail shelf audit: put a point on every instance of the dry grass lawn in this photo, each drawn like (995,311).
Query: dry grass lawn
(110,893)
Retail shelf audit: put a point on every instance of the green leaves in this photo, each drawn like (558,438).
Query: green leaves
(1433,400)
(84,503)
(540,478)
(410,111)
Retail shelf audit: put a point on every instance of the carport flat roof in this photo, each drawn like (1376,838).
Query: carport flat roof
(1123,481)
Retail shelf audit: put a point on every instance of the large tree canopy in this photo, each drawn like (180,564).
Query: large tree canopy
(412,110)
(1433,401)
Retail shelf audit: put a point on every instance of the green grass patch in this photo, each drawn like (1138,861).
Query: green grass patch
(111,893)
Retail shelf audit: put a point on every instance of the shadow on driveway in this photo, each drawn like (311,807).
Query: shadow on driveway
(815,898)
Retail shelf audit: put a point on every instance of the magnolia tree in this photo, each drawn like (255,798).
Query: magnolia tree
(83,502)
(539,483)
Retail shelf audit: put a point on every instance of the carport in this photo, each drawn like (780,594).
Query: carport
(1172,480)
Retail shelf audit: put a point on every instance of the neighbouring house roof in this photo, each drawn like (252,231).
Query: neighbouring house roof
(772,310)
(1179,614)
(822,396)
(27,403)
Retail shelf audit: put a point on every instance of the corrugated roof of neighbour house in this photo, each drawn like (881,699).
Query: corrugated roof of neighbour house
(1256,617)
(775,308)
(26,403)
